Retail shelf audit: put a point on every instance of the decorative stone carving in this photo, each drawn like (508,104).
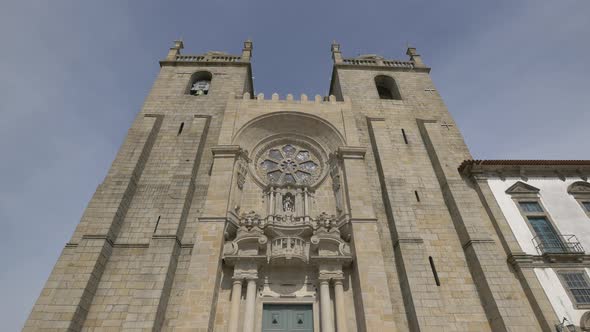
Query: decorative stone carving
(288,162)
(329,271)
(585,321)
(326,221)
(250,219)
(521,188)
(288,203)
(281,241)
(287,289)
(336,182)
(579,187)
(242,172)
(246,270)
(249,240)
(287,248)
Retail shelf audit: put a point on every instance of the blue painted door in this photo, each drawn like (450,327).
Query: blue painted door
(287,318)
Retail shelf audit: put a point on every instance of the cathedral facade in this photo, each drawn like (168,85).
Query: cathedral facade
(226,210)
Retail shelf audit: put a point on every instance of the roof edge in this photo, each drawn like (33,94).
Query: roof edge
(515,167)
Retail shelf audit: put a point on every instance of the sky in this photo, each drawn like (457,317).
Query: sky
(514,74)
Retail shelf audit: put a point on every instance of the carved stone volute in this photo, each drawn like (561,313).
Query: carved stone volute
(278,241)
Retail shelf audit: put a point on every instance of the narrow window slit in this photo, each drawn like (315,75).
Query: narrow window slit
(417,196)
(180,129)
(434,270)
(404,135)
(157,223)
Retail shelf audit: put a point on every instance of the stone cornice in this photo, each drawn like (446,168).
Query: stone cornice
(202,64)
(523,260)
(403,66)
(207,59)
(525,168)
(342,260)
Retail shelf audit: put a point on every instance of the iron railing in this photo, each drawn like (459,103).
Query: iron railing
(558,244)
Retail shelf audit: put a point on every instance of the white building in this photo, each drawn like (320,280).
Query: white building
(541,210)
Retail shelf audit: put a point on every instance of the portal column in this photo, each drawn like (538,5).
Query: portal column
(325,314)
(234,314)
(340,310)
(250,305)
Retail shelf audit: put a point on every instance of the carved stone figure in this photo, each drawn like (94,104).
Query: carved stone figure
(288,204)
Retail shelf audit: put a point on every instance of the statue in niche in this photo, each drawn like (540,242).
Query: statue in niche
(288,203)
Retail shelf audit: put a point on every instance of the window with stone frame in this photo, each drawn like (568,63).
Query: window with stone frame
(289,164)
(577,286)
(546,236)
(580,190)
(530,207)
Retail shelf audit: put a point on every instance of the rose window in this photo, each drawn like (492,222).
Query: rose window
(289,164)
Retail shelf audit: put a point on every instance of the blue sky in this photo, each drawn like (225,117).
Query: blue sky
(514,74)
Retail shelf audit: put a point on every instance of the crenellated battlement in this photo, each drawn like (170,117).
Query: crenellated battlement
(303,98)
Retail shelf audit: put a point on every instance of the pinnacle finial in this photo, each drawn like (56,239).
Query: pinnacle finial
(336,55)
(175,50)
(178,44)
(247,50)
(414,56)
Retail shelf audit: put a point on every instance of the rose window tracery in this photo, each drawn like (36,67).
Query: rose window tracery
(289,164)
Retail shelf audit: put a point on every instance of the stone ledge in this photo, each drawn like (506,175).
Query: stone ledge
(212,219)
(167,237)
(363,220)
(523,260)
(227,151)
(382,67)
(98,237)
(352,152)
(471,242)
(407,240)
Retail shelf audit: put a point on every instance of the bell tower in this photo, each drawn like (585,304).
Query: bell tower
(429,214)
(139,224)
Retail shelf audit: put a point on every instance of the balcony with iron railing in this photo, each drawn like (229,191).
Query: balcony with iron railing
(558,245)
